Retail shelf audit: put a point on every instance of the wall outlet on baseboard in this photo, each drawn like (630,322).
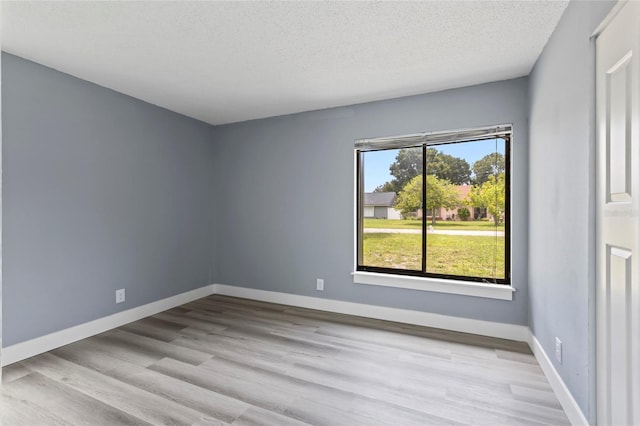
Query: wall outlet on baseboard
(120,295)
(320,284)
(559,350)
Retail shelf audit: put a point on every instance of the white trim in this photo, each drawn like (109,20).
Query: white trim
(465,325)
(570,406)
(20,351)
(24,350)
(610,16)
(490,291)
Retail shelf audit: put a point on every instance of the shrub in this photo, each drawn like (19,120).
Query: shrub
(464,214)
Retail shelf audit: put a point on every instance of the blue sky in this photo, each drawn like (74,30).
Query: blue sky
(377,162)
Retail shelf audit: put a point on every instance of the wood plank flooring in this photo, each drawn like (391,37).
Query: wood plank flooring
(227,361)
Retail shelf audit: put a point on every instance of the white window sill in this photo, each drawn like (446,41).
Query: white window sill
(490,291)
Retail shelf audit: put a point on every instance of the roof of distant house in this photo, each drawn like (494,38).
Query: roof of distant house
(387,199)
(463,190)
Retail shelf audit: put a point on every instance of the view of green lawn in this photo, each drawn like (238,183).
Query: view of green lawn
(477,256)
(475,225)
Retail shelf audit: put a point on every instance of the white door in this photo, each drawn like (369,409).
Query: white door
(618,218)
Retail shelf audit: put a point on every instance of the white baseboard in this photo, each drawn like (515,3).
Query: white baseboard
(465,325)
(483,328)
(569,404)
(24,350)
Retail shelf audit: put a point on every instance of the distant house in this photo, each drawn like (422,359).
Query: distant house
(453,214)
(379,205)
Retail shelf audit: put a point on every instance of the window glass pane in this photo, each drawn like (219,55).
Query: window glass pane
(465,204)
(457,228)
(392,209)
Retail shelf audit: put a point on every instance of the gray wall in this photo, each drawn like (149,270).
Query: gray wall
(562,170)
(0,214)
(101,191)
(288,192)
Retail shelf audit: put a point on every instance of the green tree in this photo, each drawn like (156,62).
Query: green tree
(408,164)
(440,193)
(409,199)
(489,165)
(386,187)
(444,166)
(490,195)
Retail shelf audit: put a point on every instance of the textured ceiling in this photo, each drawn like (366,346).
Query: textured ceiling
(224,62)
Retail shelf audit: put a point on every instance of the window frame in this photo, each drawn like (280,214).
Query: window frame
(500,288)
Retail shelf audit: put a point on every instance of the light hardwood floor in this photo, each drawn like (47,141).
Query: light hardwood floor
(221,360)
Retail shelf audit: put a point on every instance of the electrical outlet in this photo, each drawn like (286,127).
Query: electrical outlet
(120,295)
(559,350)
(320,284)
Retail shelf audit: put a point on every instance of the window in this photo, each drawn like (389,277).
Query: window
(448,201)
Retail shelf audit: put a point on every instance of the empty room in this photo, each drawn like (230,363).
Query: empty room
(320,213)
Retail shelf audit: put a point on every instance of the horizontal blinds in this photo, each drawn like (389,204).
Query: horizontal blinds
(433,138)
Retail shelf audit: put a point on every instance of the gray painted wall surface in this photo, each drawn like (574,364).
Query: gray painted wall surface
(101,191)
(287,215)
(562,170)
(0,214)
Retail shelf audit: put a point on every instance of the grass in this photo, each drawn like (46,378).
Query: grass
(446,254)
(476,225)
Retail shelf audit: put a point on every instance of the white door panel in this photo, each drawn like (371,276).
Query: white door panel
(618,218)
